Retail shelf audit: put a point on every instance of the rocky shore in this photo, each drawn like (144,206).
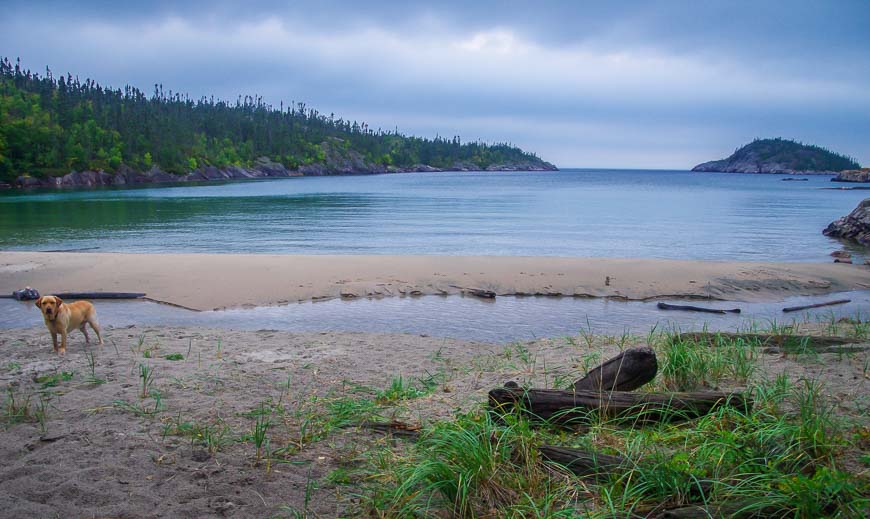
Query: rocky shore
(853,175)
(337,163)
(854,227)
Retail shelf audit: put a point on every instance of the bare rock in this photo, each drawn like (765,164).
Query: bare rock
(854,227)
(853,175)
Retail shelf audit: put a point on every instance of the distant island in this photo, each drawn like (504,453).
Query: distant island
(780,156)
(63,131)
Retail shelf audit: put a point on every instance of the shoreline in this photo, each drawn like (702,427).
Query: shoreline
(220,281)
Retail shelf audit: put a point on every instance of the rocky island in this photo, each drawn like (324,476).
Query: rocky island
(780,156)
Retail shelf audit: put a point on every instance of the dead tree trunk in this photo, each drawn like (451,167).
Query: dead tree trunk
(583,463)
(574,407)
(627,371)
(690,308)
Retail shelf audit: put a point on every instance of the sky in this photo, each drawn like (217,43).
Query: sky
(658,85)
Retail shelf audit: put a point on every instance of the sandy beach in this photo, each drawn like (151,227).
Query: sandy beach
(215,281)
(98,448)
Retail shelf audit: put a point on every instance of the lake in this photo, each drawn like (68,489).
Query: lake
(583,213)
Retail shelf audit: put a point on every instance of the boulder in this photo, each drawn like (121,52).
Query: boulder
(855,226)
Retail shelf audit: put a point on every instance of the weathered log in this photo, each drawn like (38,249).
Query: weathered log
(573,407)
(629,370)
(100,295)
(732,510)
(477,292)
(598,466)
(485,294)
(780,343)
(817,305)
(584,463)
(690,308)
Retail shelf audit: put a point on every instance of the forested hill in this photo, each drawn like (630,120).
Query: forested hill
(780,156)
(51,126)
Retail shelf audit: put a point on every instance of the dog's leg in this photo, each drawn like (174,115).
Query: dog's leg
(96,327)
(62,350)
(54,340)
(85,332)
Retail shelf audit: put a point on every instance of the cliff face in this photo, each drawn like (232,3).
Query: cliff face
(855,226)
(338,161)
(779,156)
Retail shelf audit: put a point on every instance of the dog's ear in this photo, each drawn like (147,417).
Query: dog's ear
(38,303)
(58,300)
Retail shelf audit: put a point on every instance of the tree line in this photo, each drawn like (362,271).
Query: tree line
(53,125)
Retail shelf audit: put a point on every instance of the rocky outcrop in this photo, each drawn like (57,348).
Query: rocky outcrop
(125,176)
(338,161)
(779,156)
(853,175)
(855,226)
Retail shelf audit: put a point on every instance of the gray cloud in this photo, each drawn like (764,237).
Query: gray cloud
(622,85)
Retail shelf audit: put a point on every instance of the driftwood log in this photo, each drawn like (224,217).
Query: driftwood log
(629,370)
(100,295)
(732,510)
(690,308)
(584,463)
(593,465)
(773,343)
(573,407)
(817,305)
(477,292)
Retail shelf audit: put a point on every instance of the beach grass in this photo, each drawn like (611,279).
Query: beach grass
(793,453)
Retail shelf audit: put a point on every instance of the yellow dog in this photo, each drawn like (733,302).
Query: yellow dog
(62,318)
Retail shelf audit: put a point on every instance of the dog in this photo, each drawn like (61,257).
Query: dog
(62,318)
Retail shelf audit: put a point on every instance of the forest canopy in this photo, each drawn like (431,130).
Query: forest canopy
(54,125)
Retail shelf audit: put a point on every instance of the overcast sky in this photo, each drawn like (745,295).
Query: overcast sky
(605,84)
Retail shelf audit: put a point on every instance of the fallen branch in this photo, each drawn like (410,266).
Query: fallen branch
(627,371)
(100,295)
(817,305)
(690,308)
(571,407)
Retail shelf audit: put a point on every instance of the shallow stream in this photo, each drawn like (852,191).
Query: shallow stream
(505,319)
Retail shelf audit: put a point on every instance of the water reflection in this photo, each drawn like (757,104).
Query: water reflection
(599,213)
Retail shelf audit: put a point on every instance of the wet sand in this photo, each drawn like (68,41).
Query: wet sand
(215,281)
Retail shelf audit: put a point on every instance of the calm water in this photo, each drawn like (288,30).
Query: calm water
(504,320)
(655,214)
